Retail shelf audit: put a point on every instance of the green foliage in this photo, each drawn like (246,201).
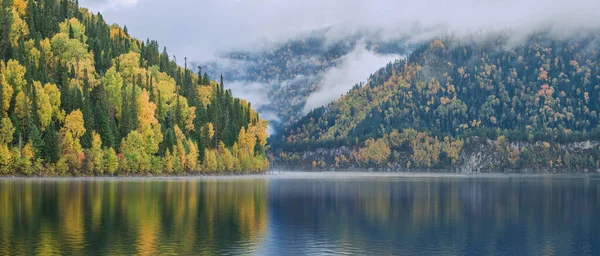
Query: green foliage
(543,90)
(50,150)
(6,20)
(94,156)
(109,161)
(79,96)
(6,131)
(291,71)
(375,152)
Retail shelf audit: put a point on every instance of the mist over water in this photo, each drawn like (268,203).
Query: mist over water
(365,214)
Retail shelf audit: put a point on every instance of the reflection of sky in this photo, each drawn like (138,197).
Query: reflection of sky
(434,216)
(292,214)
(305,239)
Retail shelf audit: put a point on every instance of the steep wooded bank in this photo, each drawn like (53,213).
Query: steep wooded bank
(426,111)
(81,97)
(477,155)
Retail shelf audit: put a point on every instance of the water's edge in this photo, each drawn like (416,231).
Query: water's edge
(477,156)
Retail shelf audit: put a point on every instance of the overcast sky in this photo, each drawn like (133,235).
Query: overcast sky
(199,28)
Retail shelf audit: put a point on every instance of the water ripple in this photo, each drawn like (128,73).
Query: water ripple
(355,215)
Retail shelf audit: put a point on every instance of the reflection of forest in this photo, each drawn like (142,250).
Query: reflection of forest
(439,216)
(133,217)
(429,216)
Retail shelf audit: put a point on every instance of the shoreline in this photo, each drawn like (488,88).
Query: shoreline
(123,177)
(296,174)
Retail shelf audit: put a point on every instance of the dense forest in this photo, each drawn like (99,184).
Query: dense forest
(529,99)
(290,71)
(81,97)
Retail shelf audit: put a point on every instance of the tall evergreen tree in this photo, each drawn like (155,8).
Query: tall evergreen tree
(133,109)
(206,79)
(86,92)
(164,61)
(50,149)
(5,27)
(124,122)
(36,138)
(159,106)
(88,113)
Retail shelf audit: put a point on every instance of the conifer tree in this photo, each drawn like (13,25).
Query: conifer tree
(133,109)
(50,150)
(125,110)
(5,27)
(88,113)
(64,94)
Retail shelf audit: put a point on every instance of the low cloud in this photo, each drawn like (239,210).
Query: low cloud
(354,67)
(205,30)
(108,5)
(253,92)
(257,95)
(201,29)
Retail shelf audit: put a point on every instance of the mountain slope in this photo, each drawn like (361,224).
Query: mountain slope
(280,78)
(449,90)
(82,97)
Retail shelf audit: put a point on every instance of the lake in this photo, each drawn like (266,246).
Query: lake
(303,213)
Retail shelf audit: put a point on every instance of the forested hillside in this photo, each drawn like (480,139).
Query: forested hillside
(289,72)
(81,97)
(527,99)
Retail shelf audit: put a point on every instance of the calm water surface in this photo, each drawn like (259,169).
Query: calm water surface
(299,213)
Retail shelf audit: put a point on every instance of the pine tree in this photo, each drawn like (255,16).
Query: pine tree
(72,74)
(50,149)
(76,99)
(32,13)
(20,53)
(133,108)
(168,141)
(164,61)
(35,117)
(124,122)
(177,111)
(199,122)
(100,110)
(151,88)
(43,69)
(64,8)
(71,33)
(88,113)
(35,136)
(5,26)
(206,79)
(159,106)
(142,53)
(38,116)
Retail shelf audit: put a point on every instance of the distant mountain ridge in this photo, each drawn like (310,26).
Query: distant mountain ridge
(285,74)
(449,90)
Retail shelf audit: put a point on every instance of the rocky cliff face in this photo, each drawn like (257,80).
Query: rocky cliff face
(477,156)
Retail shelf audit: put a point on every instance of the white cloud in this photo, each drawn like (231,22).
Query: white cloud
(355,67)
(198,29)
(255,93)
(108,5)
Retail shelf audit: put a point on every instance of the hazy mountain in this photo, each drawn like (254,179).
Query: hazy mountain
(539,88)
(286,80)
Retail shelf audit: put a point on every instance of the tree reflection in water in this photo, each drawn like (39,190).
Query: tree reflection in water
(436,215)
